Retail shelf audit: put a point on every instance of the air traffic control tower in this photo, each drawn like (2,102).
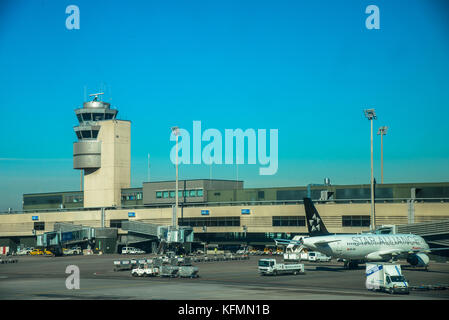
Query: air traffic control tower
(103,152)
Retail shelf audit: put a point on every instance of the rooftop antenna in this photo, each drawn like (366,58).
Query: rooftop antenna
(96,95)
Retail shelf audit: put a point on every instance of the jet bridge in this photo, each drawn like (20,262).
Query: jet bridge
(436,233)
(161,236)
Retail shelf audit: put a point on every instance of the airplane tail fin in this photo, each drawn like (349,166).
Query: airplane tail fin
(315,224)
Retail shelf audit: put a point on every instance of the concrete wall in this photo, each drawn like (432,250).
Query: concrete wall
(102,187)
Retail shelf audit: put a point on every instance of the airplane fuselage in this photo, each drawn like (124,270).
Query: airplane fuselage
(364,246)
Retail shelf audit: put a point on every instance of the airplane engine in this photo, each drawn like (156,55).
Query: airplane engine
(418,260)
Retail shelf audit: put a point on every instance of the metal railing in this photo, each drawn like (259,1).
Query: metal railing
(235,203)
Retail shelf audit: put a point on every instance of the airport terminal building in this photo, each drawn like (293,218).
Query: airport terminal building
(221,212)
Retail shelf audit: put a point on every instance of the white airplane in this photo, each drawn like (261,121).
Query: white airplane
(360,248)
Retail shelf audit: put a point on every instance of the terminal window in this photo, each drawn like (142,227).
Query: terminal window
(289,221)
(39,226)
(181,193)
(210,222)
(355,221)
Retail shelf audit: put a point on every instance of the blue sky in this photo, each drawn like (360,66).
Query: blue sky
(306,68)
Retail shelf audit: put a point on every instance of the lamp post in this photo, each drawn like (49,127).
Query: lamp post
(370,114)
(382,131)
(175,131)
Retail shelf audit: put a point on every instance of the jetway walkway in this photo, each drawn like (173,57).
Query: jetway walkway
(423,229)
(436,233)
(65,234)
(145,228)
(166,233)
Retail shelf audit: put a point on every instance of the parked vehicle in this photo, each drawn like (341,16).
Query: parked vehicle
(120,265)
(24,251)
(296,256)
(386,277)
(270,266)
(318,257)
(132,250)
(39,252)
(72,251)
(145,270)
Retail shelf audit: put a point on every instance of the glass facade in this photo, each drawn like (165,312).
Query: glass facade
(210,222)
(288,221)
(355,221)
(181,193)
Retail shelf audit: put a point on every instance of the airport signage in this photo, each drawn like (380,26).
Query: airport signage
(204,212)
(246,211)
(34,218)
(131,214)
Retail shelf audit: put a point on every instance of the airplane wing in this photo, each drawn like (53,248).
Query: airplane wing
(286,241)
(323,242)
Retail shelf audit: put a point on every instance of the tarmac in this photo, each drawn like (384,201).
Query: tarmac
(43,278)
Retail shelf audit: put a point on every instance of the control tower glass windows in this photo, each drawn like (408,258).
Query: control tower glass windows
(87,134)
(94,133)
(98,116)
(87,116)
(78,134)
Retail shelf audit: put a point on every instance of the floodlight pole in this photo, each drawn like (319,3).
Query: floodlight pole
(175,131)
(381,158)
(373,224)
(370,114)
(177,185)
(382,131)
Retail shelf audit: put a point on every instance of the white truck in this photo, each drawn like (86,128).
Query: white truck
(132,250)
(145,270)
(386,277)
(72,251)
(318,257)
(296,256)
(270,266)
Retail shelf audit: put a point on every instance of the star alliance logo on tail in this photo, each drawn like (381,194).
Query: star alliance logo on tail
(315,223)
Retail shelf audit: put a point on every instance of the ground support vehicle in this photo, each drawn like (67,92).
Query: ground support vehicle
(386,277)
(120,265)
(4,260)
(318,257)
(271,267)
(145,270)
(168,271)
(188,272)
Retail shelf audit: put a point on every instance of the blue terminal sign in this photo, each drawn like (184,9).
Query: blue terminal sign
(35,218)
(246,211)
(131,214)
(204,212)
